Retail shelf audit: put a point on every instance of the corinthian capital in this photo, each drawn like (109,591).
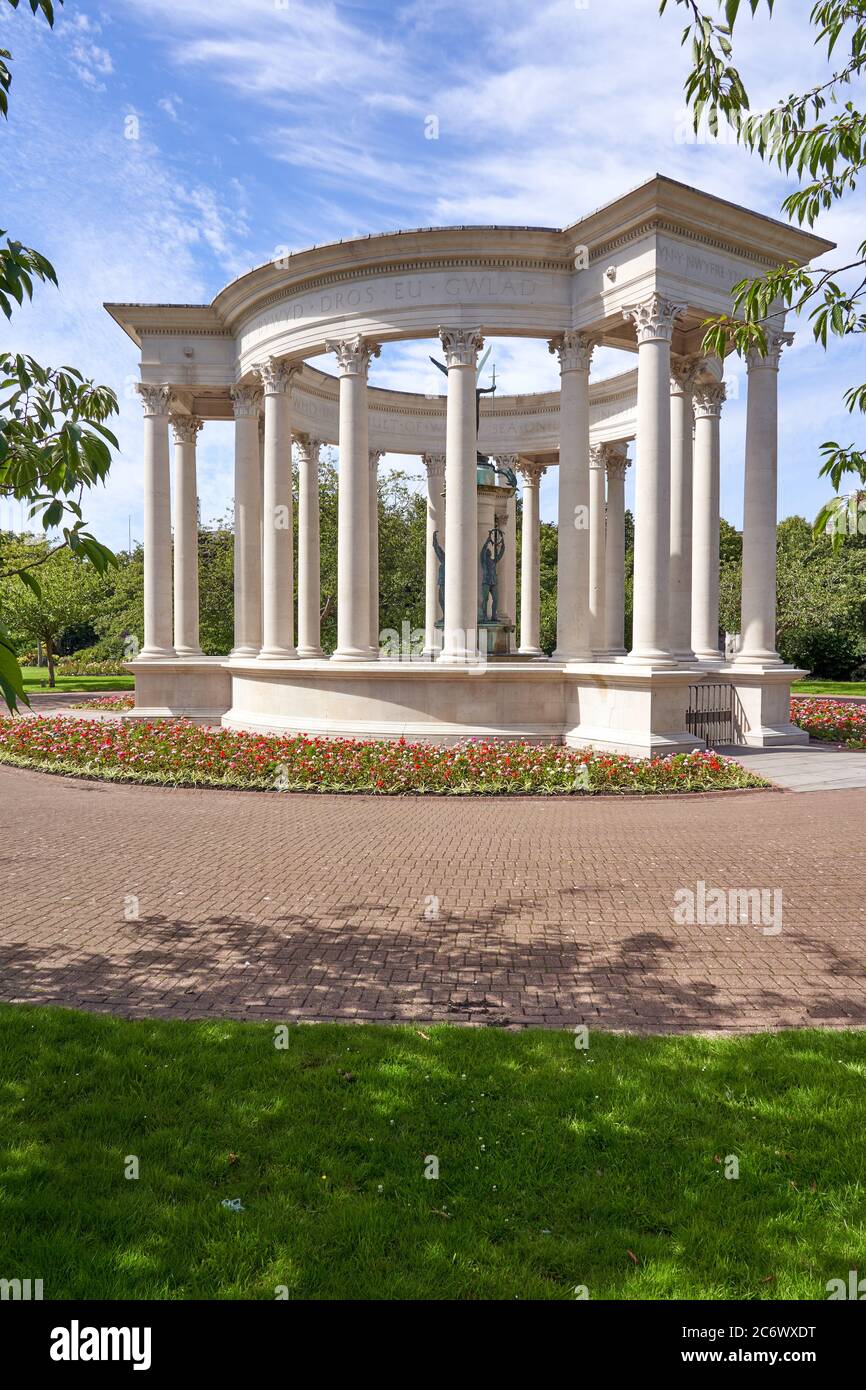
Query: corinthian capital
(354,355)
(616,461)
(155,400)
(653,318)
(375,456)
(461,346)
(185,428)
(707,399)
(608,455)
(435,465)
(776,340)
(573,349)
(275,376)
(308,449)
(246,401)
(685,372)
(531,473)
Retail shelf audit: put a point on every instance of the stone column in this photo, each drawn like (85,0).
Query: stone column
(705,560)
(461,346)
(248,524)
(309,550)
(375,456)
(156,402)
(574,351)
(758,620)
(435,466)
(597,470)
(353,501)
(185,428)
(508,567)
(278,635)
(684,371)
(530,579)
(614,554)
(654,321)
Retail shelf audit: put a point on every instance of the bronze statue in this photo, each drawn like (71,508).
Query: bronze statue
(492,552)
(440,578)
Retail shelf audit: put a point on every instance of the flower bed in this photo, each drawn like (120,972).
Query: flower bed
(831,720)
(179,753)
(108,703)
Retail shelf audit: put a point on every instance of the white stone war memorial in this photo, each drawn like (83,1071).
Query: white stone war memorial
(640,275)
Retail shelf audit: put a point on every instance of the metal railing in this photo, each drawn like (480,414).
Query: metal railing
(715,713)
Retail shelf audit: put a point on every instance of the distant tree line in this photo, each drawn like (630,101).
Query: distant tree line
(821,588)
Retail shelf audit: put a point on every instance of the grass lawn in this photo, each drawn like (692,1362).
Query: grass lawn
(558,1167)
(34,676)
(828,688)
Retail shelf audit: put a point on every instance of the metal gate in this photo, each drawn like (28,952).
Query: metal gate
(713,713)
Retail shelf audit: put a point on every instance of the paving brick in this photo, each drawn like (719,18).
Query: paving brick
(552,912)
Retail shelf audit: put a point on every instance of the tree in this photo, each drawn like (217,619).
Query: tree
(67,593)
(827,153)
(821,601)
(54,442)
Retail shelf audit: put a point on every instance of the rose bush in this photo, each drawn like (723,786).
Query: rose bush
(179,753)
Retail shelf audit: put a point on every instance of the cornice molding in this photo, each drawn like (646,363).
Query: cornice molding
(660,224)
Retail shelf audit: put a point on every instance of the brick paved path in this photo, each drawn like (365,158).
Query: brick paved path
(550,912)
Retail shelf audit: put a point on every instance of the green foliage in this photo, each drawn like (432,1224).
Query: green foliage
(44,7)
(547,568)
(54,442)
(820,597)
(826,155)
(68,592)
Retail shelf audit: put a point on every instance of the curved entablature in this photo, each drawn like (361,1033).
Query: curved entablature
(405,422)
(662,238)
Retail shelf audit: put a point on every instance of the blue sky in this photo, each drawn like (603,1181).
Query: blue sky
(263,125)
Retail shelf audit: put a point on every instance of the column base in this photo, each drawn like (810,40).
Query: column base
(188,651)
(711,658)
(243,653)
(762,661)
(277,654)
(531,651)
(310,654)
(351,654)
(157,654)
(564,657)
(651,656)
(768,737)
